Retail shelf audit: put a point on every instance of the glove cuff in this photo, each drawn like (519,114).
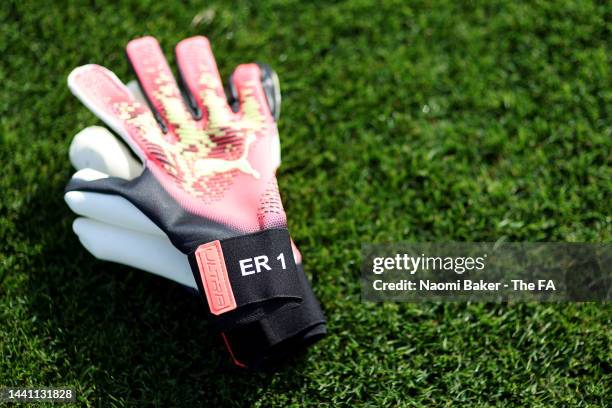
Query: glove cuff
(277,337)
(257,296)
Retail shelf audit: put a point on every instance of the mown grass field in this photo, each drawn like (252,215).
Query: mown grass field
(401,121)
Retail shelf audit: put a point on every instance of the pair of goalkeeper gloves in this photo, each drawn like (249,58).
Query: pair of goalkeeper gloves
(190,193)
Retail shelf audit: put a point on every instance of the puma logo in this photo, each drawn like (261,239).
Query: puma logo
(208,167)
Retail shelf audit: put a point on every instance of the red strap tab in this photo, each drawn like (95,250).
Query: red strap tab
(215,279)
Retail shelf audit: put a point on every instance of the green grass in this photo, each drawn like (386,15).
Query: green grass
(417,122)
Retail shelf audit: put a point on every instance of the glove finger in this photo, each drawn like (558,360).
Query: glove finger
(150,253)
(159,86)
(199,74)
(106,96)
(97,148)
(253,103)
(271,87)
(108,208)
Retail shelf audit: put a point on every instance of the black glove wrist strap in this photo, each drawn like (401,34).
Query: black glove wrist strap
(257,296)
(279,334)
(243,278)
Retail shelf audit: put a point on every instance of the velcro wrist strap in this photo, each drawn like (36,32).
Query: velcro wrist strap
(280,334)
(242,277)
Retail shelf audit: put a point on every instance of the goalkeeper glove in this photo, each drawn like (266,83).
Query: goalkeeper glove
(208,184)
